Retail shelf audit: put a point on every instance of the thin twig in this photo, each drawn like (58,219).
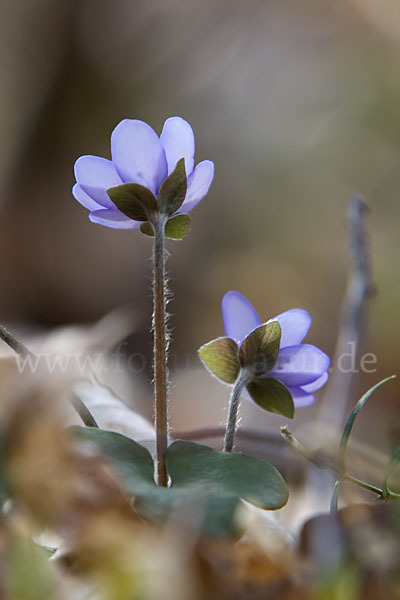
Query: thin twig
(83,411)
(353,318)
(322,462)
(19,348)
(11,340)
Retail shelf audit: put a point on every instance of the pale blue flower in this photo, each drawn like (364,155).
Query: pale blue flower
(302,368)
(140,156)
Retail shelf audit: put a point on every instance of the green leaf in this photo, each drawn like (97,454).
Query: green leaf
(177,226)
(206,484)
(220,356)
(393,463)
(270,394)
(134,200)
(147,229)
(261,348)
(132,461)
(350,422)
(134,465)
(226,474)
(173,190)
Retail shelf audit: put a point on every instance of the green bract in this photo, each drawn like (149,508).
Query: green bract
(259,350)
(173,190)
(221,357)
(256,355)
(270,394)
(139,203)
(177,226)
(134,200)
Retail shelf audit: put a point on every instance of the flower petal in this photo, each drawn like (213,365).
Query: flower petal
(138,154)
(198,185)
(113,218)
(300,397)
(84,199)
(178,142)
(95,175)
(299,365)
(317,384)
(295,324)
(239,316)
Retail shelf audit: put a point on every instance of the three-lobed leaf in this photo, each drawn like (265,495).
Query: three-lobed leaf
(207,484)
(227,473)
(134,200)
(220,356)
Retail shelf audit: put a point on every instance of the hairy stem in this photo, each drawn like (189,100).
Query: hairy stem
(233,411)
(160,353)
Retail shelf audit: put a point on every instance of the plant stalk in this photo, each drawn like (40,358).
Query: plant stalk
(160,353)
(233,410)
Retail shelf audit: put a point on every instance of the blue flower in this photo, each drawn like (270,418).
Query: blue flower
(302,368)
(140,156)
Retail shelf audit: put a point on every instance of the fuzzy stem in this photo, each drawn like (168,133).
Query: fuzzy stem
(160,353)
(241,381)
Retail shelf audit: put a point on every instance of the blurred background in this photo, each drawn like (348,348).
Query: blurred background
(298,105)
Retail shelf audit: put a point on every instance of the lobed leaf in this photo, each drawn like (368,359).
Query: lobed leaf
(206,484)
(226,474)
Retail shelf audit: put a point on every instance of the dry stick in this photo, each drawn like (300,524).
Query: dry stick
(324,462)
(11,340)
(19,348)
(353,318)
(83,411)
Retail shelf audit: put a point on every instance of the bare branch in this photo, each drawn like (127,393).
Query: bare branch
(353,318)
(19,348)
(14,343)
